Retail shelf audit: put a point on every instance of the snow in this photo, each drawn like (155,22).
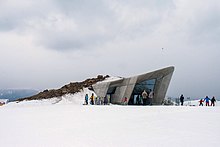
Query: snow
(66,122)
(3,101)
(111,79)
(75,99)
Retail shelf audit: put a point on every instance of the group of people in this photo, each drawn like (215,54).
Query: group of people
(207,101)
(95,100)
(145,98)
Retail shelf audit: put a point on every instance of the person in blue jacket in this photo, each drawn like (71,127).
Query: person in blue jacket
(86,99)
(207,99)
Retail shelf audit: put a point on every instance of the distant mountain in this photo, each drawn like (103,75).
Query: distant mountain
(14,94)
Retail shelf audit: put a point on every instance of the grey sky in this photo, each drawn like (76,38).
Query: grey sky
(49,43)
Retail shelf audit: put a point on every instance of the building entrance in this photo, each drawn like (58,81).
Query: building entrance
(136,96)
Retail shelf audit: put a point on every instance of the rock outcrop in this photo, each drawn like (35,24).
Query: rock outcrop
(67,89)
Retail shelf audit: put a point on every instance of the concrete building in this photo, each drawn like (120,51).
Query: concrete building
(118,90)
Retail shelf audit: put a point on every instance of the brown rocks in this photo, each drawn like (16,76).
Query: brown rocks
(66,89)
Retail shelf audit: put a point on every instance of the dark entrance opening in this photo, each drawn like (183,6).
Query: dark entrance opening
(111,90)
(136,96)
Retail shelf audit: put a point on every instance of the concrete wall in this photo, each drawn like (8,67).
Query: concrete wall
(161,89)
(123,90)
(101,88)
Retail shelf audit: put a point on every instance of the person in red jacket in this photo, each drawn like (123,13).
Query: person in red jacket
(124,101)
(201,102)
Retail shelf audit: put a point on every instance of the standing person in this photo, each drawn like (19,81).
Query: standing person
(124,101)
(102,100)
(181,99)
(105,100)
(144,96)
(150,96)
(213,101)
(92,99)
(86,99)
(201,102)
(140,100)
(207,99)
(137,100)
(98,101)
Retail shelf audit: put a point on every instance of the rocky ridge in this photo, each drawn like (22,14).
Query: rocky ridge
(70,88)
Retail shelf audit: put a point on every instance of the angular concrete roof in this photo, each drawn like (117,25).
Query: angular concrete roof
(124,86)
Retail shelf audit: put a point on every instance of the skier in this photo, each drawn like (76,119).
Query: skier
(207,99)
(213,101)
(201,102)
(181,99)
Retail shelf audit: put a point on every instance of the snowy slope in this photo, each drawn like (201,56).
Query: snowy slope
(76,99)
(77,125)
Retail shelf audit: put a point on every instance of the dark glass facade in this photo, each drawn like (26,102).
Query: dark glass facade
(136,95)
(144,85)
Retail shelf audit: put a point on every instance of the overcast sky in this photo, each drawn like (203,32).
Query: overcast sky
(45,44)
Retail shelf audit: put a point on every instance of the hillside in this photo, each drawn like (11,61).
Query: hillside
(70,88)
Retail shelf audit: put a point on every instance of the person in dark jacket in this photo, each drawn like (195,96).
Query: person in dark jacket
(137,100)
(105,100)
(144,96)
(181,99)
(213,101)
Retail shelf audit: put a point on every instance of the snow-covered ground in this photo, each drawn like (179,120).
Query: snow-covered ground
(64,122)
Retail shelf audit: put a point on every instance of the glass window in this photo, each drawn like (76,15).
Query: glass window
(144,85)
(111,90)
